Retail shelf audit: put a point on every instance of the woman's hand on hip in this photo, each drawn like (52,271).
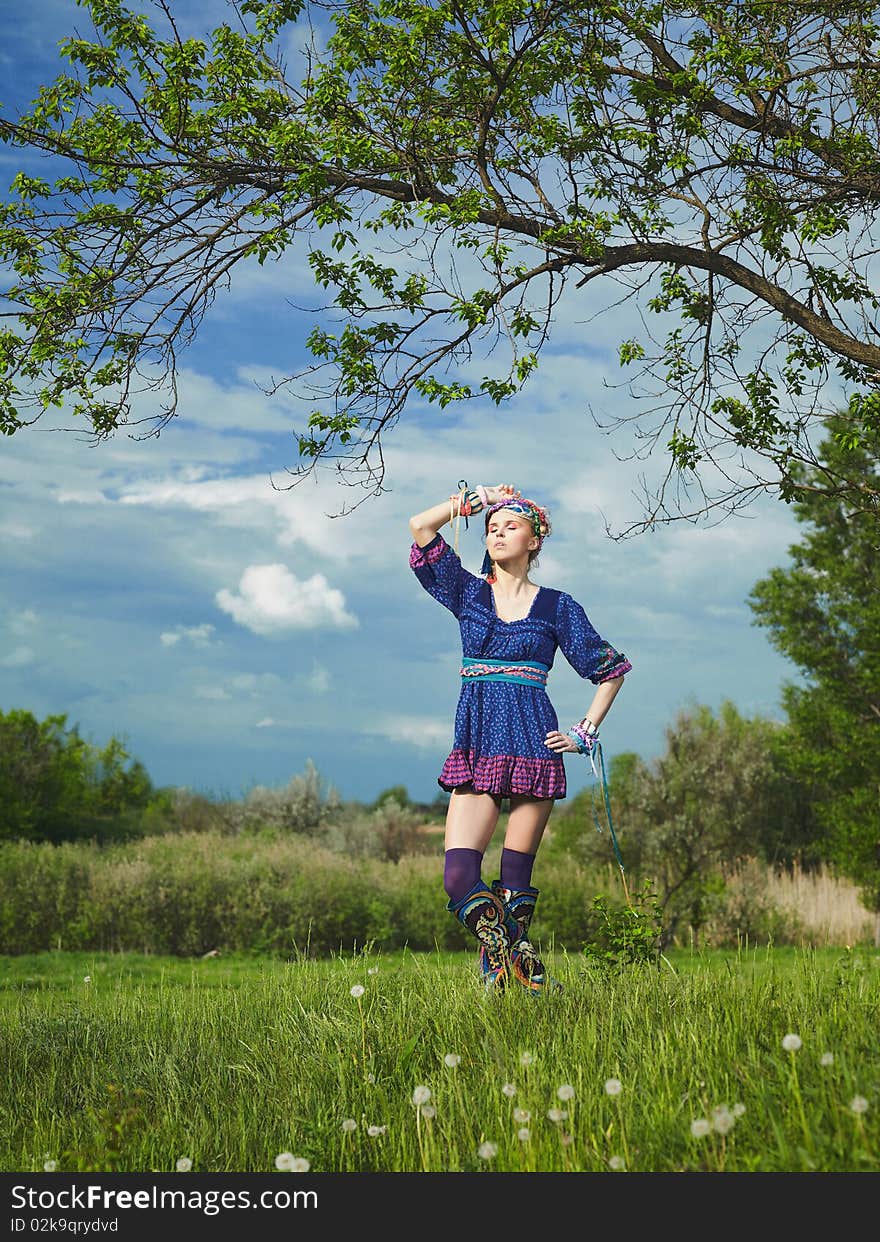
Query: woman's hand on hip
(560,742)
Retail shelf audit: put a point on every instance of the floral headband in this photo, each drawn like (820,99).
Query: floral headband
(529,509)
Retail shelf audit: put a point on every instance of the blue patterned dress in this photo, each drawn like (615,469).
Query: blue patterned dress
(500,727)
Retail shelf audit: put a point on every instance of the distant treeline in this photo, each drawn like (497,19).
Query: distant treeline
(723,793)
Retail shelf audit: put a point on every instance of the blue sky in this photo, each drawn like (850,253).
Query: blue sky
(173,592)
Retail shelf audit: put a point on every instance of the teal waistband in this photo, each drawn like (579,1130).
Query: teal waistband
(520,672)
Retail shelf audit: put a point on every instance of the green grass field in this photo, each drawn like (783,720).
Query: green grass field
(129,1063)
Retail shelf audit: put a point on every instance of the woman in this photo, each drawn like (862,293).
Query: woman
(507,740)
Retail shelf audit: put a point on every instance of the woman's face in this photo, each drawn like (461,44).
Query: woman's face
(509,536)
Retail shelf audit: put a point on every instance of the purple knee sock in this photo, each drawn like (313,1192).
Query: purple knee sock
(516,869)
(461,871)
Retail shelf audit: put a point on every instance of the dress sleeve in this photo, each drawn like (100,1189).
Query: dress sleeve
(587,653)
(440,572)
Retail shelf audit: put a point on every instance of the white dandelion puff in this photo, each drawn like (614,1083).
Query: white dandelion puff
(299,1164)
(487,1151)
(358,990)
(526,1058)
(376,1131)
(557,1114)
(617,1163)
(738,1109)
(524,1134)
(858,1105)
(700,1127)
(565,1092)
(451,1060)
(50,1166)
(791,1042)
(373,970)
(184,1164)
(613,1086)
(522,1115)
(509,1089)
(421,1095)
(349,1125)
(87,978)
(723,1119)
(826,1059)
(428,1111)
(284,1161)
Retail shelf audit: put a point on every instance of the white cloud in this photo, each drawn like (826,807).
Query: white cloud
(267,723)
(318,680)
(24,621)
(198,635)
(210,692)
(254,683)
(81,496)
(18,658)
(272,600)
(424,732)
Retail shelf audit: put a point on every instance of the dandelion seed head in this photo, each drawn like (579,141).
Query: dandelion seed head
(509,1089)
(373,970)
(565,1092)
(87,978)
(791,1042)
(723,1119)
(50,1166)
(300,1165)
(613,1086)
(826,1059)
(526,1058)
(451,1060)
(421,1095)
(524,1134)
(358,990)
(349,1125)
(738,1110)
(184,1164)
(428,1111)
(617,1163)
(557,1114)
(371,1078)
(700,1127)
(522,1114)
(376,1131)
(284,1161)
(858,1105)
(487,1151)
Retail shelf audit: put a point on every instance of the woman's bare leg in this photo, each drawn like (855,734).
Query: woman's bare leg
(471,820)
(526,823)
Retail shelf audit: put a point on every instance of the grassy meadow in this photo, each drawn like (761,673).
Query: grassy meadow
(747,1059)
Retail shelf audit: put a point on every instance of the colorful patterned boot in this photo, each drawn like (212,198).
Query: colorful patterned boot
(485,916)
(528,969)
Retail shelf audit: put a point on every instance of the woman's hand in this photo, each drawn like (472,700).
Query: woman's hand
(501,491)
(560,742)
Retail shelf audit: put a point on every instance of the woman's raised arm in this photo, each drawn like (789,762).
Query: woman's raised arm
(424,526)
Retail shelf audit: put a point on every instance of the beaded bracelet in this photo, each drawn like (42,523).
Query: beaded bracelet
(583,739)
(470,501)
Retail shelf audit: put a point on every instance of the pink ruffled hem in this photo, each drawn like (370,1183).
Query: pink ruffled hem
(504,775)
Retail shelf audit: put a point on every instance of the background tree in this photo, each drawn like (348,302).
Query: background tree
(719,794)
(714,163)
(55,786)
(823,612)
